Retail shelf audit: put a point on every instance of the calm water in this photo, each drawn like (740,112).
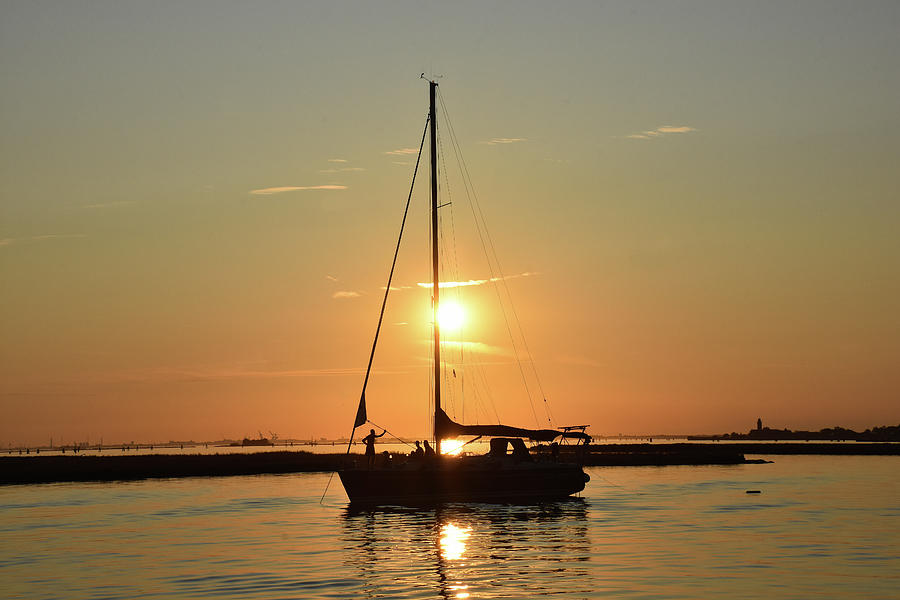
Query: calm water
(823,527)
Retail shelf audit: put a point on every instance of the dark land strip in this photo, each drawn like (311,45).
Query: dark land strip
(49,469)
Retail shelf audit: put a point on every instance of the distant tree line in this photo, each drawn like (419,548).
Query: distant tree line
(890,433)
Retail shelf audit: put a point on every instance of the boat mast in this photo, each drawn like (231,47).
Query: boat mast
(432,87)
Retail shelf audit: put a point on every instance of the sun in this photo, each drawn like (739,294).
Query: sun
(451,316)
(451,447)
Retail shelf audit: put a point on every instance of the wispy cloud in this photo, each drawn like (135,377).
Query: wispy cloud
(331,278)
(479,347)
(237,372)
(342,170)
(660,131)
(454,284)
(497,141)
(110,204)
(403,151)
(293,188)
(337,160)
(395,288)
(346,294)
(674,129)
(40,238)
(470,282)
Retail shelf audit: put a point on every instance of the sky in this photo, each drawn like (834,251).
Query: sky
(695,207)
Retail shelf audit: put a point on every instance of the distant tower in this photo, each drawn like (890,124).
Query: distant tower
(759,424)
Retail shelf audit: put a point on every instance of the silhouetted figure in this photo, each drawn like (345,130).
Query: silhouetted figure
(759,424)
(418,453)
(369,441)
(554,451)
(498,447)
(429,451)
(520,451)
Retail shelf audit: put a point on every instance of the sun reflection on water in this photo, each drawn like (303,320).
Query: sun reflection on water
(459,591)
(470,551)
(453,541)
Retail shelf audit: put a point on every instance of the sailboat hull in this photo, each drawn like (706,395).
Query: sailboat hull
(461,480)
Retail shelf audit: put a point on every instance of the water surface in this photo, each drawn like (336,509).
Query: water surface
(825,527)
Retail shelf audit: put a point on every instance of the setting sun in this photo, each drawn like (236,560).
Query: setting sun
(451,316)
(452,447)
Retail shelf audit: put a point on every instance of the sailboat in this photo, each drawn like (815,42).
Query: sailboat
(499,475)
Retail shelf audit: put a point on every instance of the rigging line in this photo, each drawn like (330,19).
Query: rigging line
(454,268)
(405,443)
(481,225)
(456,277)
(327,485)
(503,281)
(472,205)
(454,144)
(518,321)
(528,352)
(487,392)
(446,388)
(387,288)
(621,487)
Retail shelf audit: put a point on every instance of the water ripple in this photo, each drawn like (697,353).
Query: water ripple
(637,533)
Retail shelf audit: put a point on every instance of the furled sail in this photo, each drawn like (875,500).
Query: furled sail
(445,427)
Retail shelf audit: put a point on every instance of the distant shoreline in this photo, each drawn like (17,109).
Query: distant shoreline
(69,468)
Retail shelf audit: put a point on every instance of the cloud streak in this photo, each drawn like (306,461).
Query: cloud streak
(110,204)
(660,132)
(214,374)
(479,347)
(343,170)
(471,282)
(499,141)
(293,188)
(40,238)
(345,294)
(402,151)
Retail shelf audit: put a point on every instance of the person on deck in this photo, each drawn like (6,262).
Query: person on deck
(429,451)
(369,441)
(418,453)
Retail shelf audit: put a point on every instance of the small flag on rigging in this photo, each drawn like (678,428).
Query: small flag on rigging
(361,416)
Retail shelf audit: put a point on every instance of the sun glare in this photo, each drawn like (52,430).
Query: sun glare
(452,447)
(453,541)
(450,316)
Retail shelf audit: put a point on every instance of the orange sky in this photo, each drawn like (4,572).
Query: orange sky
(695,206)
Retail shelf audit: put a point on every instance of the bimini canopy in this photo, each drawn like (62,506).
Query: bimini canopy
(445,427)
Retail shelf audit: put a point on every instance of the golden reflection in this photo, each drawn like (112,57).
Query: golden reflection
(459,591)
(453,542)
(452,447)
